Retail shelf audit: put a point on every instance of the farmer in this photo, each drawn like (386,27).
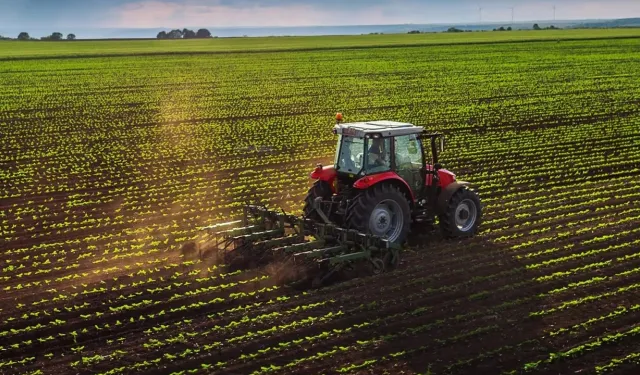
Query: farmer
(377,156)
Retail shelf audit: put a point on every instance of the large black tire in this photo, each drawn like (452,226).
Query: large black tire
(465,204)
(319,189)
(366,212)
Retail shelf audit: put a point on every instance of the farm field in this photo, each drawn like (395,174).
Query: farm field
(110,164)
(19,50)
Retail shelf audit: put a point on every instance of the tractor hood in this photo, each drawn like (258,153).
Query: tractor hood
(325,173)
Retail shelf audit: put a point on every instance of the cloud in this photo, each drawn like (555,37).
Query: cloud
(602,9)
(144,14)
(244,13)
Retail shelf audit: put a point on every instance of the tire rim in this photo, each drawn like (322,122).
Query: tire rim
(386,220)
(466,215)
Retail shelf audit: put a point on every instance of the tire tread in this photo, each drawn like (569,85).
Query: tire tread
(447,220)
(363,204)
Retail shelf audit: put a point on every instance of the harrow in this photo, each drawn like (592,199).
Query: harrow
(316,250)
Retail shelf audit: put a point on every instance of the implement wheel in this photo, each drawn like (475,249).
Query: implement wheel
(382,210)
(462,216)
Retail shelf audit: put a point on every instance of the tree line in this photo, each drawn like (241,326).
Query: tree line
(184,34)
(501,28)
(54,36)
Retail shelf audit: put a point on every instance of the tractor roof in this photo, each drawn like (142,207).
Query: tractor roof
(385,128)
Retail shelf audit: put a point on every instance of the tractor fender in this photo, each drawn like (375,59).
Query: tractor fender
(446,177)
(368,181)
(446,194)
(326,173)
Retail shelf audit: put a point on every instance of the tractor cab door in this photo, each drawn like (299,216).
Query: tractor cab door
(408,161)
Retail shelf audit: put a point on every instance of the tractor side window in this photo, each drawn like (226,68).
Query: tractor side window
(378,155)
(408,153)
(409,161)
(350,157)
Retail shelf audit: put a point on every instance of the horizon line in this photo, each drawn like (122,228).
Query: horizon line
(372,24)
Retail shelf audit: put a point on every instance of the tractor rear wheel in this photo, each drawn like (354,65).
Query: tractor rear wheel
(382,210)
(319,189)
(462,216)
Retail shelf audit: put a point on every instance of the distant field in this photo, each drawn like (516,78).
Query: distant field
(109,164)
(80,48)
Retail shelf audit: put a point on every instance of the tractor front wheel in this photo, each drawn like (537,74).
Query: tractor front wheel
(382,210)
(462,216)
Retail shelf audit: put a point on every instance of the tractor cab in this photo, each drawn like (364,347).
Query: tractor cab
(382,147)
(366,148)
(386,175)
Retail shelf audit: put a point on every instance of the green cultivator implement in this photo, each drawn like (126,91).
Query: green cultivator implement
(310,250)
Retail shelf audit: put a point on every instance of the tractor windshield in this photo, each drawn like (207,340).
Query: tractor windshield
(350,154)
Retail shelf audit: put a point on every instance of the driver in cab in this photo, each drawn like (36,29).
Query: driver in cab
(376,158)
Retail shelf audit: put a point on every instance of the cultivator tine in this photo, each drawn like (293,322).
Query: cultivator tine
(349,257)
(258,236)
(221,240)
(270,249)
(319,253)
(237,231)
(259,229)
(299,247)
(278,243)
(221,225)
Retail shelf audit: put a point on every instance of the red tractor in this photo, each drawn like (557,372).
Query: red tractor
(385,177)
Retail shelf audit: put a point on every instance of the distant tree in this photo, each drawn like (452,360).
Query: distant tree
(174,34)
(414,32)
(54,36)
(203,33)
(501,28)
(454,30)
(71,36)
(509,28)
(188,34)
(536,26)
(162,35)
(23,36)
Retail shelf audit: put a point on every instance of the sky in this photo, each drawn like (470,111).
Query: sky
(261,13)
